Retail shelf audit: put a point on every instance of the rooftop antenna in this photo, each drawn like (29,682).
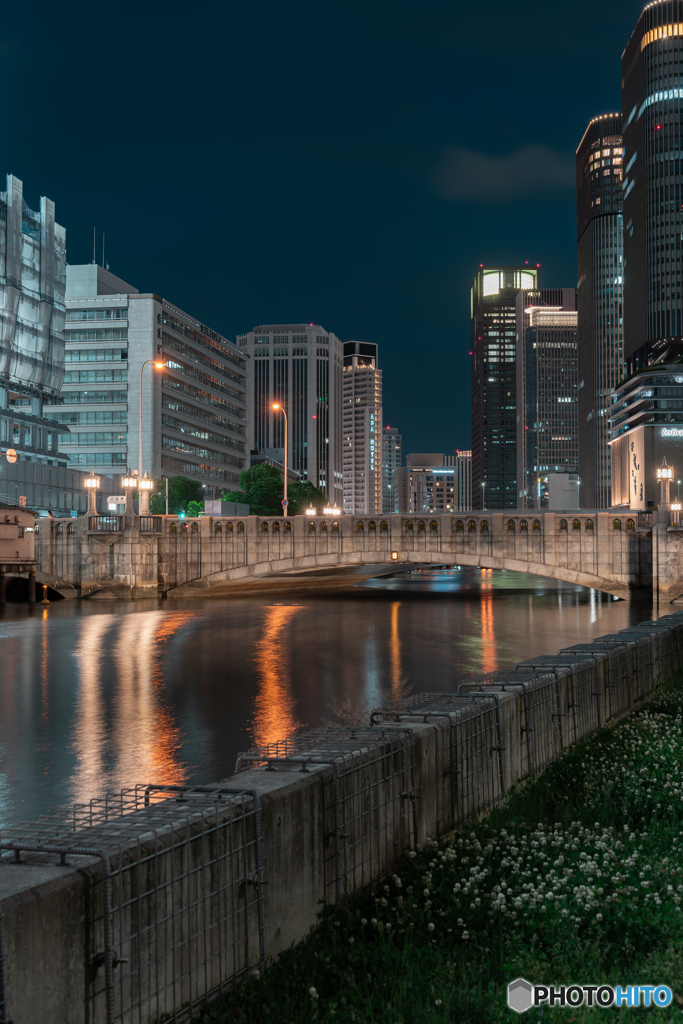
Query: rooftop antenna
(103,250)
(93,245)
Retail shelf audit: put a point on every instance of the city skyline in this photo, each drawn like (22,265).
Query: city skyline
(344,155)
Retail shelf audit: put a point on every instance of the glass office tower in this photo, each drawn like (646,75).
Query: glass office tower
(494,383)
(599,230)
(651,107)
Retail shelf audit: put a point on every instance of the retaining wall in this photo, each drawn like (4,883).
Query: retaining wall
(149,901)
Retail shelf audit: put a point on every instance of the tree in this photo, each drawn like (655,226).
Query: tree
(195,508)
(181,491)
(262,490)
(303,493)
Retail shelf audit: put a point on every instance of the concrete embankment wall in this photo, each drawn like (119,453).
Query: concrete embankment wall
(167,896)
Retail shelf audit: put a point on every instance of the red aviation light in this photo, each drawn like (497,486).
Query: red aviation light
(658,127)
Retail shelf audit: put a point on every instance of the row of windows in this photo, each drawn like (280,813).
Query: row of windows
(102,334)
(121,313)
(201,453)
(95,376)
(94,398)
(95,355)
(211,364)
(197,431)
(101,416)
(92,438)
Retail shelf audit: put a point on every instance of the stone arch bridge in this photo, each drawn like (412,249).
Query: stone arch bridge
(132,556)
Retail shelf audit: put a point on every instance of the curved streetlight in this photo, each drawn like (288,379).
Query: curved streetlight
(158,365)
(483,497)
(280,408)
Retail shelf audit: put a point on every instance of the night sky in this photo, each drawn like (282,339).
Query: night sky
(346,163)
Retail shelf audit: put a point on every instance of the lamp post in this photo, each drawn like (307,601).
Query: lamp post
(158,365)
(578,493)
(145,484)
(278,407)
(483,497)
(665,475)
(679,490)
(92,484)
(129,483)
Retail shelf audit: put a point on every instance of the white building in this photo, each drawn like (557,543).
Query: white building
(431,482)
(362,426)
(392,457)
(300,367)
(194,407)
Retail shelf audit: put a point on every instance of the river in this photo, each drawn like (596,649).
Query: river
(96,696)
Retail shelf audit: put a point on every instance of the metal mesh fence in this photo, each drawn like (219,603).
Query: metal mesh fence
(175,915)
(369,807)
(663,643)
(643,674)
(470,769)
(675,623)
(584,697)
(617,676)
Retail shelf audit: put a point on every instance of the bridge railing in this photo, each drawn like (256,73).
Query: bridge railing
(104,524)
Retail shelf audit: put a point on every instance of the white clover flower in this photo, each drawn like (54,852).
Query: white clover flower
(363,920)
(313,992)
(256,974)
(430,927)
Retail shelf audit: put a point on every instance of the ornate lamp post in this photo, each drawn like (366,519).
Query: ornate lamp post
(145,485)
(665,475)
(92,484)
(129,483)
(331,510)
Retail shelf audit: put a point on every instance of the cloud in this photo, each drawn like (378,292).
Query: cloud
(479,177)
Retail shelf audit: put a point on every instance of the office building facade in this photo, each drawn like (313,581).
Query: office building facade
(547,419)
(463,481)
(32,286)
(299,366)
(494,382)
(427,483)
(653,130)
(600,294)
(194,407)
(392,458)
(362,429)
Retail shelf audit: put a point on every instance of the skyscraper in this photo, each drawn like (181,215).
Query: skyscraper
(463,481)
(547,439)
(651,106)
(299,365)
(362,429)
(392,457)
(599,230)
(494,383)
(33,266)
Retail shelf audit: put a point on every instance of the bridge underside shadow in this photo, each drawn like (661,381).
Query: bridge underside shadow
(330,573)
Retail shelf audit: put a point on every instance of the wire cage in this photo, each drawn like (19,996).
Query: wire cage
(369,808)
(583,710)
(174,894)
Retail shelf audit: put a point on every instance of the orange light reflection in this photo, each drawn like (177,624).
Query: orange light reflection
(395,648)
(274,716)
(488,639)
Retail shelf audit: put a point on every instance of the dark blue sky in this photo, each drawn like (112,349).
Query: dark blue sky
(349,163)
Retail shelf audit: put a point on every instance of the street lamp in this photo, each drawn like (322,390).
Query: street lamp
(158,365)
(331,510)
(679,489)
(129,483)
(145,484)
(278,407)
(483,497)
(311,511)
(92,484)
(665,475)
(578,493)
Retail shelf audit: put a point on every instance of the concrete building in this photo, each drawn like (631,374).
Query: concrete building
(362,429)
(194,408)
(494,383)
(600,288)
(392,458)
(428,483)
(547,424)
(300,366)
(32,285)
(463,481)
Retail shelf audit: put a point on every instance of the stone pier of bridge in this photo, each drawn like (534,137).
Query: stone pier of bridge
(130,556)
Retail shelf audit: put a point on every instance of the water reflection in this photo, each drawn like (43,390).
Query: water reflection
(274,715)
(489,654)
(395,650)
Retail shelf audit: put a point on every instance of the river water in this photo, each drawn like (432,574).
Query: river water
(95,697)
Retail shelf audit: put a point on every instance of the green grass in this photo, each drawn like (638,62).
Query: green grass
(577,878)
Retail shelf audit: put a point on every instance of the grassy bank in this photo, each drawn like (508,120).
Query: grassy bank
(578,878)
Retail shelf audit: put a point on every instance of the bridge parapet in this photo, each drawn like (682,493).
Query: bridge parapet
(134,556)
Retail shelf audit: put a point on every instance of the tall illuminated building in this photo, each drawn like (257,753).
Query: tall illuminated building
(600,291)
(547,440)
(299,366)
(362,429)
(392,457)
(494,382)
(652,65)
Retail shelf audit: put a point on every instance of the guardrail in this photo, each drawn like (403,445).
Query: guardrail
(104,524)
